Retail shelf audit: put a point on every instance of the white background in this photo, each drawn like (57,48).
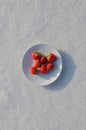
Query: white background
(61,105)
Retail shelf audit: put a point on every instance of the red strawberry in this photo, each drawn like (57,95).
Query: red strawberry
(51,58)
(36,55)
(37,63)
(33,70)
(43,69)
(50,66)
(43,59)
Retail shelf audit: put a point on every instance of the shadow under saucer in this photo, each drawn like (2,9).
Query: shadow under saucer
(67,74)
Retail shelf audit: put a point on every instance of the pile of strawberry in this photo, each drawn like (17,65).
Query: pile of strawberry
(42,63)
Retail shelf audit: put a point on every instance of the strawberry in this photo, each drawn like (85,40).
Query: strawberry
(50,66)
(51,58)
(43,59)
(33,70)
(36,55)
(37,63)
(43,69)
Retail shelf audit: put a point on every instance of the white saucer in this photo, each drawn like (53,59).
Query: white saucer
(42,79)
